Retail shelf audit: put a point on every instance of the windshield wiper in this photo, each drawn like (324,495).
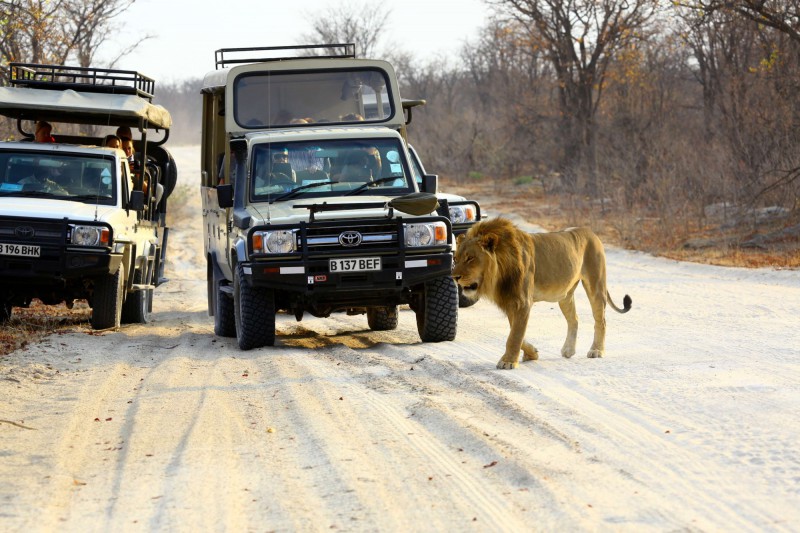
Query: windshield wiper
(371,184)
(88,197)
(293,192)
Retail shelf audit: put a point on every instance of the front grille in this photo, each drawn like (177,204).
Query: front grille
(325,239)
(44,231)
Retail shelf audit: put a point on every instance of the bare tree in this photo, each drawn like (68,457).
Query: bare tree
(33,31)
(56,31)
(362,24)
(580,38)
(92,23)
(781,15)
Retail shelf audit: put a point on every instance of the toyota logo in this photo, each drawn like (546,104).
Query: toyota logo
(350,238)
(24,232)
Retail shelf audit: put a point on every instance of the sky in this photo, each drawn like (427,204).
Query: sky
(186,33)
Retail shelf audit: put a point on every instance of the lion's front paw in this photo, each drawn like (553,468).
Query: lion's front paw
(503,364)
(594,353)
(567,352)
(529,352)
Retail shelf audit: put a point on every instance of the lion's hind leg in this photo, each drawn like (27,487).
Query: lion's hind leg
(567,306)
(596,292)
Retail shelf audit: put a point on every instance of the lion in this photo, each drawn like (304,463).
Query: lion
(514,269)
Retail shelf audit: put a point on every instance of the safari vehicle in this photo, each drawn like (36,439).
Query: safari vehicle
(72,223)
(310,201)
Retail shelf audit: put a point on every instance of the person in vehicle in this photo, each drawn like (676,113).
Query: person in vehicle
(112,141)
(39,180)
(281,165)
(124,132)
(127,147)
(43,132)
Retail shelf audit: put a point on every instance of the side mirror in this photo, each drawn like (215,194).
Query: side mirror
(225,195)
(136,200)
(430,183)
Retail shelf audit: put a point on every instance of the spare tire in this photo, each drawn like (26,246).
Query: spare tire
(169,174)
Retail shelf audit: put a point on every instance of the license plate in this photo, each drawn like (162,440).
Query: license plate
(355,264)
(20,249)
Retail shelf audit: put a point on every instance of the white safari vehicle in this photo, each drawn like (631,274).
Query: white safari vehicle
(310,198)
(79,221)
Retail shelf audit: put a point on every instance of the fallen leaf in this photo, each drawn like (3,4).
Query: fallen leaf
(490,464)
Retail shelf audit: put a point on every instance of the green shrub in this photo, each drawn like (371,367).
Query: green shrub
(523,180)
(475,175)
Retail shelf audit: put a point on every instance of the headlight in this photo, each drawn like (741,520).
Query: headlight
(460,214)
(428,234)
(90,235)
(275,242)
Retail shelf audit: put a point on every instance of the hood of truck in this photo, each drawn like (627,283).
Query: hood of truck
(55,209)
(291,212)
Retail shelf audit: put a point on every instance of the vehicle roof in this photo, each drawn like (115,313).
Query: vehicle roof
(82,108)
(220,78)
(328,133)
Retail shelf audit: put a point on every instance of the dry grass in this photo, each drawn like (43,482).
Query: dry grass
(710,244)
(28,325)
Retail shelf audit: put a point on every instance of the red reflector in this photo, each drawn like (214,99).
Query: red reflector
(434,261)
(272,270)
(321,278)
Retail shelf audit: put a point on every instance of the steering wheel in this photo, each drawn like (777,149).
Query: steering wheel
(277,178)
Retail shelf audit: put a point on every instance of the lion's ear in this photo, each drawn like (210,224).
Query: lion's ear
(489,242)
(460,238)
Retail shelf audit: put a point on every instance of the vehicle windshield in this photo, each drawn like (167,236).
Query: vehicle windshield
(60,176)
(268,100)
(329,168)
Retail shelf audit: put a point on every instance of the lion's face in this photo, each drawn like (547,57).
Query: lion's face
(470,263)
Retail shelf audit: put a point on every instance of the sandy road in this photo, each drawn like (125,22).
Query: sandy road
(688,423)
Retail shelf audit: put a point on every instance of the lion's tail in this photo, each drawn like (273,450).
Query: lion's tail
(626,303)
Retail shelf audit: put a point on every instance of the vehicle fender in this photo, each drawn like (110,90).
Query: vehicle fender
(216,273)
(238,252)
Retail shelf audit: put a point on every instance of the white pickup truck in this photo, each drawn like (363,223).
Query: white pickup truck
(78,220)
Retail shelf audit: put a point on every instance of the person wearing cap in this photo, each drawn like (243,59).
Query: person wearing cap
(43,132)
(281,165)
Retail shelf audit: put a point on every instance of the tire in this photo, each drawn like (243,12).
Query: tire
(463,301)
(382,318)
(5,308)
(224,314)
(109,291)
(136,309)
(437,312)
(170,175)
(255,313)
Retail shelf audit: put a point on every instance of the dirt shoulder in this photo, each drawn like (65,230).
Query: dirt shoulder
(717,239)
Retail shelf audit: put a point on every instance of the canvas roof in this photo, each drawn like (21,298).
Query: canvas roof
(82,108)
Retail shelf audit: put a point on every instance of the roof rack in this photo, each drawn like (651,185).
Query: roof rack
(269,53)
(87,79)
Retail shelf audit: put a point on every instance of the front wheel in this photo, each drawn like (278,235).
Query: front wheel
(109,291)
(437,310)
(136,309)
(254,309)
